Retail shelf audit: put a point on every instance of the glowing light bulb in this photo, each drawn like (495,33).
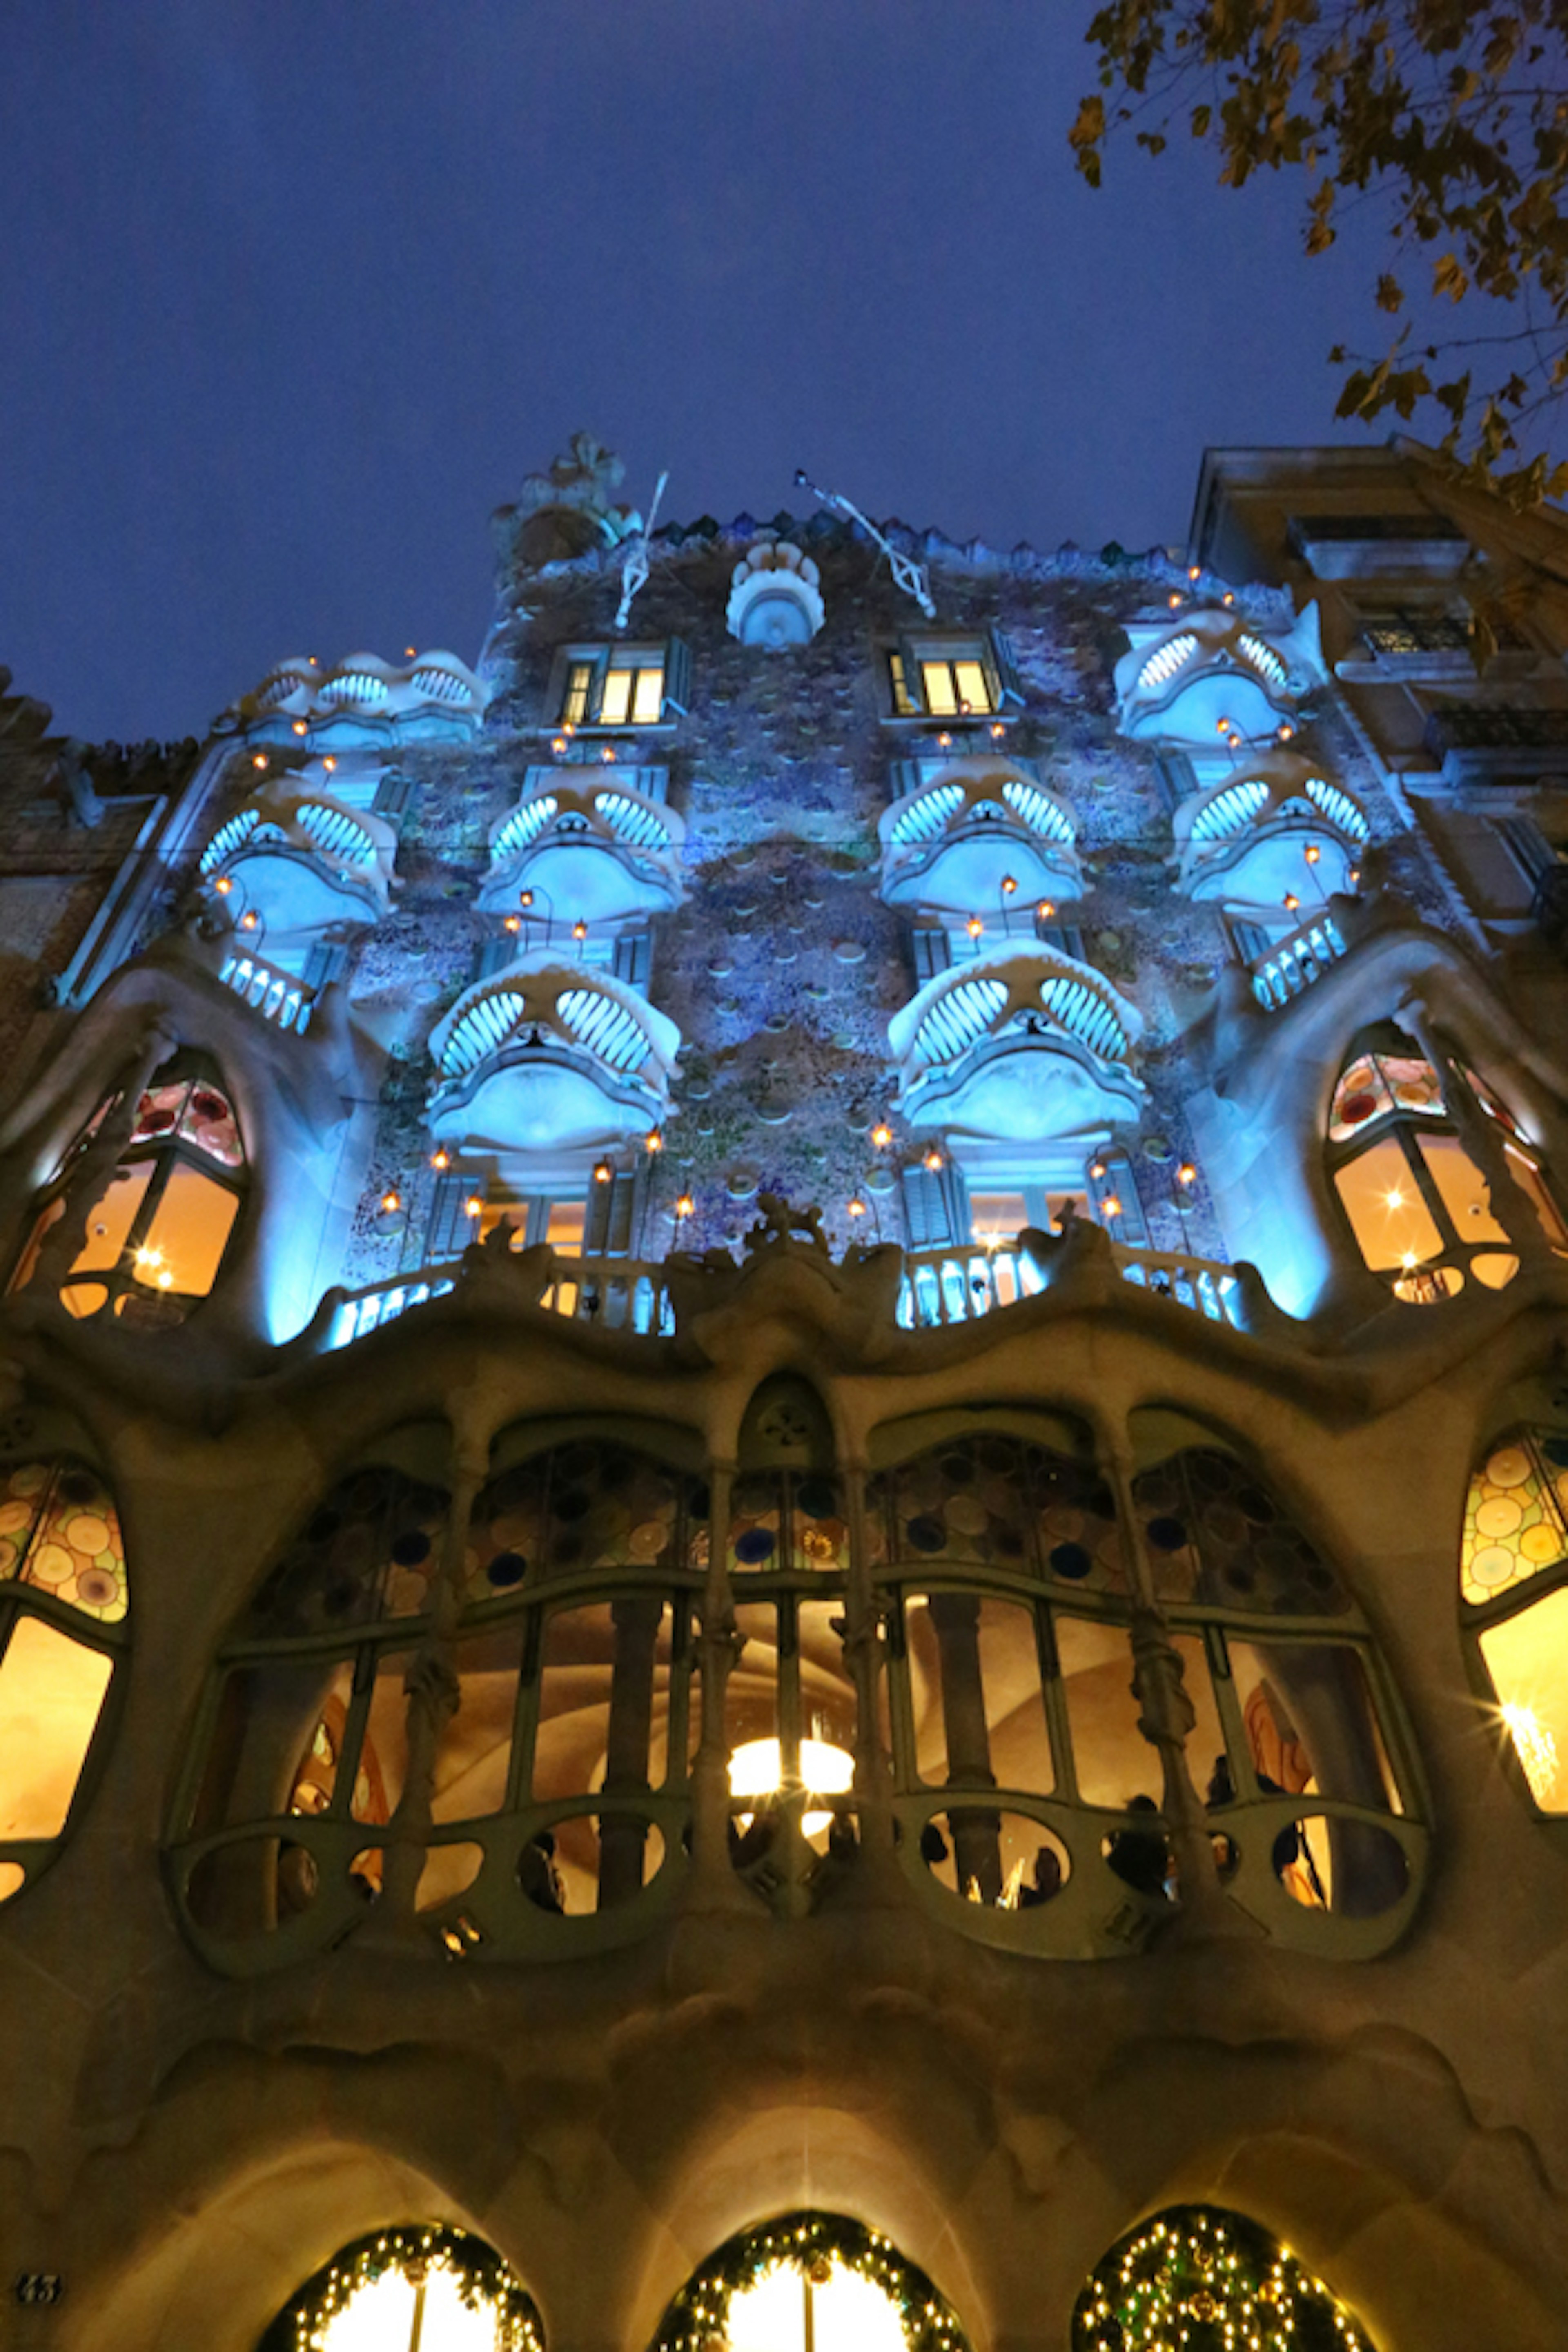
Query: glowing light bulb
(1235,741)
(149,1260)
(441,1157)
(1194,572)
(223,886)
(329,763)
(881,1135)
(1285,731)
(1227,598)
(932,1159)
(653,1140)
(247,921)
(390,1201)
(569,729)
(856,1208)
(165,1281)
(603,1171)
(1008,886)
(975,927)
(1535,1747)
(685,1206)
(1290,902)
(1312,853)
(1111,1206)
(1175,599)
(1045,910)
(1354,876)
(579,929)
(473,1206)
(997,730)
(608,754)
(945,740)
(300,727)
(1222,727)
(559,744)
(525,898)
(408,653)
(1097,1170)
(1394,1200)
(1186,1173)
(512,923)
(258,758)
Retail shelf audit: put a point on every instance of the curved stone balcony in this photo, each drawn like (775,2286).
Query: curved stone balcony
(776,596)
(1025,1044)
(301,862)
(550,1057)
(1199,677)
(950,846)
(363,701)
(1274,830)
(600,852)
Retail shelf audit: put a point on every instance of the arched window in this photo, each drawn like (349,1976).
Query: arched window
(1417,1201)
(1198,2276)
(1297,1738)
(1513,1582)
(63,1601)
(410,2289)
(553,1788)
(809,2283)
(144,1201)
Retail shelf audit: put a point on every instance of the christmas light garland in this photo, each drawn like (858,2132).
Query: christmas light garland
(477,2270)
(696,2321)
(1199,2280)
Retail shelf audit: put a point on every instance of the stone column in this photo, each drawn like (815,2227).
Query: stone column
(623,1834)
(718,1647)
(976,1831)
(865,1652)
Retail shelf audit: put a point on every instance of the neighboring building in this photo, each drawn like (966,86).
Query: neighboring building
(784,1546)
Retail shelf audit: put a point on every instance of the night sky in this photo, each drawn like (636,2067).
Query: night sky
(296,295)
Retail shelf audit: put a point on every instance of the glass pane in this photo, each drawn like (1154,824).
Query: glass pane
(576,1676)
(1514,1524)
(1414,1083)
(383,1759)
(1388,1216)
(941,694)
(372,1545)
(563,1229)
(820,1531)
(1528,1662)
(977,1701)
(1359,1097)
(188,1235)
(1311,1728)
(78,1551)
(756,1520)
(751,1693)
(1462,1188)
(108,1224)
(158,1112)
(1113,1760)
(617,698)
(208,1122)
(52,1690)
(277,1741)
(974,687)
(903,706)
(1033,1863)
(474,1754)
(827,1707)
(969,1501)
(647,705)
(581,1506)
(996,1216)
(1216,1533)
(579,682)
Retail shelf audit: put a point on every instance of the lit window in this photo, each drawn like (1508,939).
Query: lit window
(1201,2275)
(1418,1204)
(411,2290)
(1513,1582)
(605,686)
(63,1600)
(955,679)
(153,1227)
(806,2281)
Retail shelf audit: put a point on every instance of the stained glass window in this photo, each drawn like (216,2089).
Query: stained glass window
(996,1500)
(1513,1578)
(63,1602)
(805,2281)
(1209,2279)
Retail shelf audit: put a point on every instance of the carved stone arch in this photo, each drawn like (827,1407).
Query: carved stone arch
(899,1439)
(786,1426)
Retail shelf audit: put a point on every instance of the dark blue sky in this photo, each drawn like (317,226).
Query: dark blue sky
(296,294)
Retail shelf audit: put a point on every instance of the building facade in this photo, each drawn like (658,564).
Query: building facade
(784,1545)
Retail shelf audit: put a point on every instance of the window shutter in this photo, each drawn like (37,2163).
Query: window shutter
(393,795)
(910,651)
(634,959)
(324,960)
(1066,936)
(906,776)
(607,1224)
(1177,776)
(1009,685)
(496,954)
(1118,1182)
(928,1209)
(446,1232)
(928,947)
(678,676)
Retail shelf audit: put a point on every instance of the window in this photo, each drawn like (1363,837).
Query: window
(614,686)
(557,1789)
(956,678)
(403,2289)
(1197,2274)
(63,1601)
(809,2283)
(1513,1586)
(1419,1206)
(150,1198)
(1403,632)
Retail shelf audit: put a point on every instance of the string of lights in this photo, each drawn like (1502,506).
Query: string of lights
(696,2320)
(1196,2280)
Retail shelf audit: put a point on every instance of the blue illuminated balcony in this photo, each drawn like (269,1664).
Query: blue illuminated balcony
(593,844)
(1199,678)
(1021,1045)
(551,1058)
(1273,836)
(361,702)
(976,835)
(301,863)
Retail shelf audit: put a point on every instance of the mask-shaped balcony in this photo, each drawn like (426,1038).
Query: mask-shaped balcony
(951,848)
(363,703)
(1200,677)
(550,1056)
(1023,1046)
(595,850)
(1273,832)
(302,862)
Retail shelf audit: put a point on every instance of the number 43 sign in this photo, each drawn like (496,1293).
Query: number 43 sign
(40,2286)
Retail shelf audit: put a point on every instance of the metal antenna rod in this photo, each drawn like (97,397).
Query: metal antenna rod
(635,571)
(908,576)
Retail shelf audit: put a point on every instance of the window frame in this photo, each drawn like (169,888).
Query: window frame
(580,672)
(900,668)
